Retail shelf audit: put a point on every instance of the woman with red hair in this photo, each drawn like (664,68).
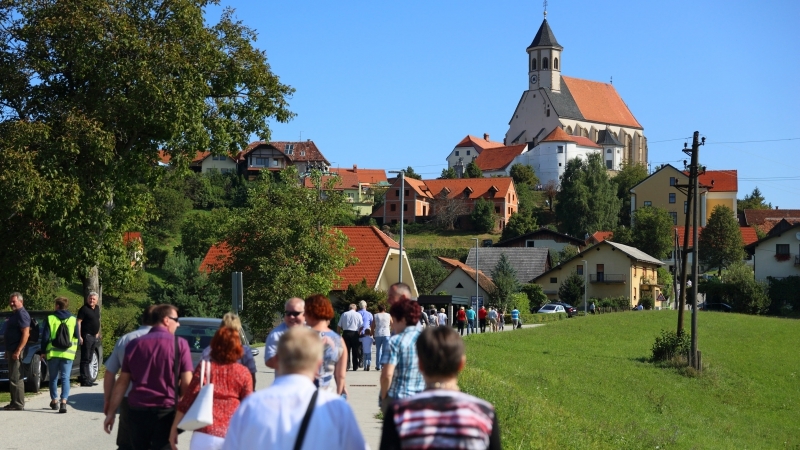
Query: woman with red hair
(232,383)
(319,313)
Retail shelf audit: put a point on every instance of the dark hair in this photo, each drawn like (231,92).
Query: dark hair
(440,350)
(406,309)
(226,346)
(319,307)
(147,315)
(381,308)
(160,312)
(62,302)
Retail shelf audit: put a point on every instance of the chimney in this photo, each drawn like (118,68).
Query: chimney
(776,206)
(485,136)
(355,168)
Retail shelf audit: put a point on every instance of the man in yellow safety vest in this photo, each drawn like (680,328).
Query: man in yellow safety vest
(59,351)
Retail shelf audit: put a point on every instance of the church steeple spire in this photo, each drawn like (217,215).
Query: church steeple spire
(544,53)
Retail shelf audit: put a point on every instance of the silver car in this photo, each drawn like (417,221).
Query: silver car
(198,331)
(551,308)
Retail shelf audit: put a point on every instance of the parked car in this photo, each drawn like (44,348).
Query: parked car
(722,307)
(551,308)
(198,331)
(34,368)
(571,311)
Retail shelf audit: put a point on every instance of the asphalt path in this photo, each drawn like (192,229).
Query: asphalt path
(81,428)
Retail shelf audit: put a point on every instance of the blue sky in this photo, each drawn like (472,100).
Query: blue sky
(392,84)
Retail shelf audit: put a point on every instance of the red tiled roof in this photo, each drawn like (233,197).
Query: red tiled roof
(164,157)
(559,135)
(453,264)
(691,235)
(131,236)
(347,180)
(759,216)
(748,235)
(724,180)
(584,141)
(478,143)
(500,157)
(200,156)
(302,151)
(600,102)
(370,176)
(216,258)
(600,236)
(419,187)
(480,186)
(371,247)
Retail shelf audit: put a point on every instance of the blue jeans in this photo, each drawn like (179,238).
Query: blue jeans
(471,326)
(59,368)
(381,346)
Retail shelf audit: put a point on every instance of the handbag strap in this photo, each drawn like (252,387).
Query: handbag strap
(298,444)
(176,366)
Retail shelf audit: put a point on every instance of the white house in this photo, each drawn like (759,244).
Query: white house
(468,149)
(549,158)
(778,254)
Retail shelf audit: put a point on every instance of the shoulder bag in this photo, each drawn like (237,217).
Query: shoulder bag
(201,413)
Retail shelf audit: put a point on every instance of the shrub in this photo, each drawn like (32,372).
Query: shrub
(647,301)
(671,345)
(156,257)
(571,289)
(116,321)
(536,296)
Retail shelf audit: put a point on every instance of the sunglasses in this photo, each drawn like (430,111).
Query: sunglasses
(176,319)
(292,313)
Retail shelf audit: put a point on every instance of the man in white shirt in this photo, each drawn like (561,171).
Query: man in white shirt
(293,315)
(271,418)
(349,325)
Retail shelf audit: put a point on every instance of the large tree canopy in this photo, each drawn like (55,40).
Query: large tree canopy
(721,242)
(629,176)
(652,231)
(587,200)
(90,91)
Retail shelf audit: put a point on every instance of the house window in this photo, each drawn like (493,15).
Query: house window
(579,269)
(648,203)
(424,210)
(554,279)
(289,149)
(560,149)
(672,197)
(406,193)
(262,162)
(608,150)
(468,152)
(218,157)
(405,206)
(392,207)
(497,210)
(459,286)
(672,181)
(609,164)
(397,192)
(781,249)
(456,152)
(601,272)
(545,63)
(674,216)
(275,162)
(530,243)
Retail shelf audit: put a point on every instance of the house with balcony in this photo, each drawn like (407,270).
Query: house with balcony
(612,270)
(262,156)
(778,254)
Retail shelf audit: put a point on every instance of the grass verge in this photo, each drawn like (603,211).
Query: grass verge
(588,383)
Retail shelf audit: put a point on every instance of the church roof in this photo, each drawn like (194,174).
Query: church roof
(606,137)
(559,135)
(499,158)
(545,37)
(600,102)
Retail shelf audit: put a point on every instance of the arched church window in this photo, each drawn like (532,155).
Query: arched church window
(629,147)
(555,63)
(533,64)
(545,63)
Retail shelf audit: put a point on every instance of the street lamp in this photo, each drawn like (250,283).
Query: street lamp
(585,283)
(477,285)
(402,204)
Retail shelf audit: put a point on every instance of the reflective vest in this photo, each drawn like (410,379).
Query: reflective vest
(54,322)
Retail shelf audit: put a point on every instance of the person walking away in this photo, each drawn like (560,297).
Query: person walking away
(591,308)
(461,320)
(366,324)
(482,319)
(514,318)
(492,315)
(293,315)
(150,368)
(501,319)
(397,292)
(382,331)
(18,330)
(400,377)
(441,417)
(423,319)
(433,318)
(272,418)
(471,320)
(366,345)
(60,343)
(232,321)
(113,366)
(349,325)
(443,318)
(333,371)
(88,335)
(232,384)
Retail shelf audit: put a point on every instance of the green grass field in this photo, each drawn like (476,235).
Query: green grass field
(445,239)
(587,383)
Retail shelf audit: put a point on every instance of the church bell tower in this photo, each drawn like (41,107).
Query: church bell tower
(544,60)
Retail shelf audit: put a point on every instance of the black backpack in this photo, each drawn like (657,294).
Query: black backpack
(62,338)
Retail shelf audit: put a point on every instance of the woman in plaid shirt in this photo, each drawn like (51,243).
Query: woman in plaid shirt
(400,375)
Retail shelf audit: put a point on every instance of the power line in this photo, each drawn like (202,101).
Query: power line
(750,142)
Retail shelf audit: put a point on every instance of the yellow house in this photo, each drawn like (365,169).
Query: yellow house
(612,270)
(717,187)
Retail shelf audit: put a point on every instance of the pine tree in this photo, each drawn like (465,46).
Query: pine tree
(505,281)
(473,171)
(754,200)
(483,216)
(448,173)
(571,289)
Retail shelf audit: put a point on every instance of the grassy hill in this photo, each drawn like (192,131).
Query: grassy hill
(587,383)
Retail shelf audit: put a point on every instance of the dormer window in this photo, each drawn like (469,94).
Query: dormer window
(289,149)
(467,191)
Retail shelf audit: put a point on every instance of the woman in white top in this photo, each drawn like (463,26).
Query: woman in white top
(381,330)
(442,318)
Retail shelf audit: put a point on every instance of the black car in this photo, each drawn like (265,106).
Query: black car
(722,307)
(34,369)
(571,311)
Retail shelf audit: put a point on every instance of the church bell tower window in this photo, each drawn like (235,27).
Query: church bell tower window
(545,63)
(533,64)
(555,63)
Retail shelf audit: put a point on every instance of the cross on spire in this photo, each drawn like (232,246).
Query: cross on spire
(545,9)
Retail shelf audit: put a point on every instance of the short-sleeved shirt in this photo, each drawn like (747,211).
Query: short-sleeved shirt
(350,321)
(470,314)
(90,319)
(114,362)
(514,314)
(14,325)
(246,360)
(407,379)
(492,314)
(482,313)
(150,360)
(332,350)
(366,319)
(442,319)
(366,345)
(382,324)
(271,347)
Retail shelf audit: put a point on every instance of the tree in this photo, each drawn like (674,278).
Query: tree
(521,302)
(587,201)
(571,289)
(526,198)
(652,231)
(536,296)
(519,224)
(505,282)
(361,291)
(483,216)
(448,173)
(754,200)
(88,102)
(447,210)
(171,206)
(623,235)
(200,231)
(665,280)
(628,176)
(189,289)
(285,246)
(551,191)
(565,254)
(428,273)
(721,241)
(523,174)
(411,174)
(473,171)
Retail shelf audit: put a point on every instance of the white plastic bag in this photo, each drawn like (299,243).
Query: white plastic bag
(201,413)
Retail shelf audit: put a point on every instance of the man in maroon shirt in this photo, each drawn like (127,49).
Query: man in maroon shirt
(482,319)
(149,367)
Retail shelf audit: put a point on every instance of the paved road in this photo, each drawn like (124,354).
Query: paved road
(82,427)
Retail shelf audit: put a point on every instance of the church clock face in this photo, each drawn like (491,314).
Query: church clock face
(533,79)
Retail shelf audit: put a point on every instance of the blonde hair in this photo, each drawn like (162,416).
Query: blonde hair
(299,350)
(231,320)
